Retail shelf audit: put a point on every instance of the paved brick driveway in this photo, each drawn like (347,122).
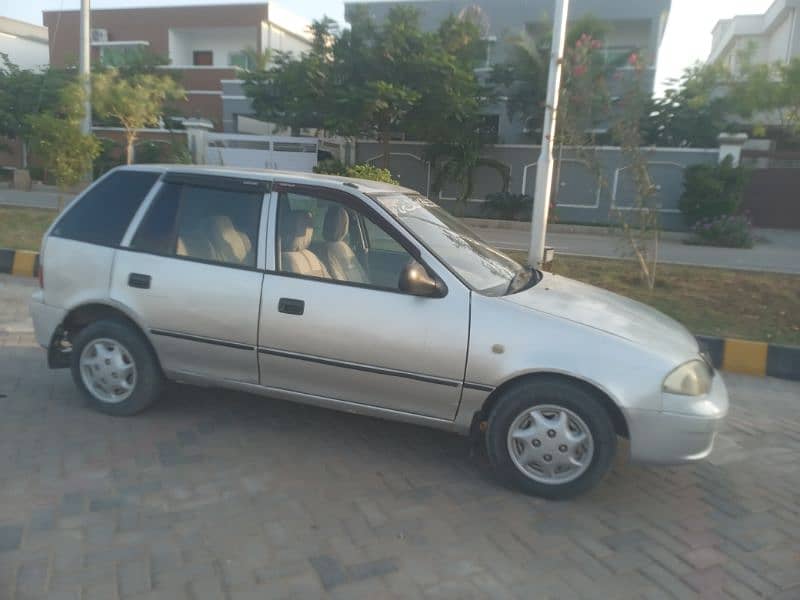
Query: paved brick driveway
(221,495)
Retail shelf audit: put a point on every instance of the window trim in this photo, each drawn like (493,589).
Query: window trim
(354,202)
(232,184)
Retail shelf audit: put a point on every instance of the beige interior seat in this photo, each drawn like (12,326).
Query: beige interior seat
(297,230)
(194,242)
(216,239)
(335,252)
(231,245)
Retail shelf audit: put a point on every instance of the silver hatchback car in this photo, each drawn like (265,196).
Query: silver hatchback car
(368,298)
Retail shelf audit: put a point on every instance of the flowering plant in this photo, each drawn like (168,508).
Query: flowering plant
(731,231)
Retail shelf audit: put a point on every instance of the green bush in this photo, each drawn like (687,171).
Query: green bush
(172,152)
(332,166)
(507,205)
(367,171)
(728,231)
(712,191)
(111,155)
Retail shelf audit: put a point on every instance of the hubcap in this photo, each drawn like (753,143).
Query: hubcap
(550,444)
(108,370)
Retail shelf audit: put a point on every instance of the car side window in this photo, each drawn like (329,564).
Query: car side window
(203,223)
(327,239)
(102,214)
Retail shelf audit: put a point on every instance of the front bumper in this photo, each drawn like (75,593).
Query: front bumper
(46,319)
(683,431)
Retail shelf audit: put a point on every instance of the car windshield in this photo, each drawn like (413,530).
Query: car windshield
(482,267)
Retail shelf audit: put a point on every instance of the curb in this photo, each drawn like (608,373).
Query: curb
(736,356)
(19,262)
(753,358)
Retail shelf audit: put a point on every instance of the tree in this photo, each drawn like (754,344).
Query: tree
(767,94)
(58,141)
(136,100)
(24,93)
(640,223)
(373,80)
(693,111)
(522,78)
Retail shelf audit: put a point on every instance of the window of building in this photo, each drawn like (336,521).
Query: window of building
(242,60)
(203,58)
(103,214)
(204,223)
(119,55)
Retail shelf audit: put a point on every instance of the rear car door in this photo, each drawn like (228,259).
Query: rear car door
(189,273)
(334,323)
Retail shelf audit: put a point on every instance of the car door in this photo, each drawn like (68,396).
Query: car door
(189,274)
(334,325)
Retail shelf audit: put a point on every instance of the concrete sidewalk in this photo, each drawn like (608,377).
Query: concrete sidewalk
(776,251)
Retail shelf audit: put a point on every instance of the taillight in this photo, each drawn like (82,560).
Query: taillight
(41,273)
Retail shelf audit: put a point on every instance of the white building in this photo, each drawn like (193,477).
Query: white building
(774,36)
(24,43)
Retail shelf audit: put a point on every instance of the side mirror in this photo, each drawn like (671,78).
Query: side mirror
(415,280)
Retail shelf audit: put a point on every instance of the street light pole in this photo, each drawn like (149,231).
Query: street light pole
(85,68)
(544,166)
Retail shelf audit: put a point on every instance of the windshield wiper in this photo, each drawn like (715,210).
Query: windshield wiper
(524,279)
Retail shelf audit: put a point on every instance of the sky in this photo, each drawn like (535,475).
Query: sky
(687,38)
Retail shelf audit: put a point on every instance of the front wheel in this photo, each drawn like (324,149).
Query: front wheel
(550,438)
(114,368)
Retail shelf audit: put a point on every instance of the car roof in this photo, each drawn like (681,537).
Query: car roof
(335,181)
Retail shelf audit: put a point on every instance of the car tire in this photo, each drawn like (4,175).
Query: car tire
(550,437)
(115,368)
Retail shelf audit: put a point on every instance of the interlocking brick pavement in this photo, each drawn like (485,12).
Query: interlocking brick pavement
(213,494)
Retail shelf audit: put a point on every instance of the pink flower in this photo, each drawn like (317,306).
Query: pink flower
(633,59)
(579,70)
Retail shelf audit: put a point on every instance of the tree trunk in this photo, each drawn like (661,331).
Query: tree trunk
(24,154)
(386,148)
(129,149)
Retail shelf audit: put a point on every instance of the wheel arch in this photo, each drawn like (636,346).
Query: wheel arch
(603,397)
(84,314)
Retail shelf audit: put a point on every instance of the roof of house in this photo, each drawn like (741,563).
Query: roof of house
(23,29)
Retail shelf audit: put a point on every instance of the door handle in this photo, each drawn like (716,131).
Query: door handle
(139,280)
(291,306)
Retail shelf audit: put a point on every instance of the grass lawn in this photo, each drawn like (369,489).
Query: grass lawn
(742,304)
(23,228)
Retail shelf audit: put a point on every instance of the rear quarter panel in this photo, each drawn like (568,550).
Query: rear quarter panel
(75,272)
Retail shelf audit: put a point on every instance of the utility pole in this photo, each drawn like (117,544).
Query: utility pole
(85,67)
(544,166)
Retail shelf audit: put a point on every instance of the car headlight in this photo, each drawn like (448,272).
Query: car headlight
(690,379)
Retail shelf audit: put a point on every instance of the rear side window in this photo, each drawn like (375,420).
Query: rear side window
(203,223)
(102,215)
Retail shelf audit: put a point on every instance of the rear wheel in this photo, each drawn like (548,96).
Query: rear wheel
(114,368)
(550,437)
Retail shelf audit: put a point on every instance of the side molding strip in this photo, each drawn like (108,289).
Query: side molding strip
(360,367)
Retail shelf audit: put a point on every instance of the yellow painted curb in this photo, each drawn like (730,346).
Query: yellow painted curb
(24,262)
(741,356)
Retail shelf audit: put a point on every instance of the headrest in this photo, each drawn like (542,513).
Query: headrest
(223,232)
(337,223)
(297,229)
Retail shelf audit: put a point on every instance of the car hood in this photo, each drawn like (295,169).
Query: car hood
(609,312)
